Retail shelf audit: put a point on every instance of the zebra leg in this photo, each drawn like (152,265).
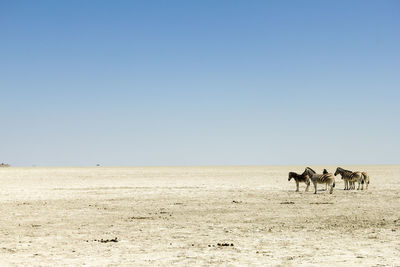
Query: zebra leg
(308,185)
(315,187)
(331,190)
(297,186)
(358,187)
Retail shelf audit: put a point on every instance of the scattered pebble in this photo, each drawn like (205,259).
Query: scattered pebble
(225,244)
(115,240)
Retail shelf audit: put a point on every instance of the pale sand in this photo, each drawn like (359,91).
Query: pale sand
(171,215)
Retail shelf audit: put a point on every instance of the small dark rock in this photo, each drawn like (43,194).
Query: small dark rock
(224,244)
(108,240)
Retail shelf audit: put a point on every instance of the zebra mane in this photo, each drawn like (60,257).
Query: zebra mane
(344,170)
(310,169)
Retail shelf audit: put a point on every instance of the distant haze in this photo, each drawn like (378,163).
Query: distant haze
(199,82)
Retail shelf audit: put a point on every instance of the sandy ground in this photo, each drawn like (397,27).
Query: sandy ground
(178,215)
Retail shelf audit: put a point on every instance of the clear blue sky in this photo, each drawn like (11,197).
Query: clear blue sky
(199,82)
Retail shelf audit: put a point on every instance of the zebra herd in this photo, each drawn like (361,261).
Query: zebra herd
(350,179)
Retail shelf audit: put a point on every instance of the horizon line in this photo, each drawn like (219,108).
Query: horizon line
(182,166)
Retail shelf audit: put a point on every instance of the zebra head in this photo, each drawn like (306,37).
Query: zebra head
(291,175)
(308,171)
(337,171)
(342,171)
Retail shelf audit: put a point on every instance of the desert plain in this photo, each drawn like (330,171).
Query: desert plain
(195,216)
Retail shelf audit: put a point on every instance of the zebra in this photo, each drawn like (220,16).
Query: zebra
(299,178)
(365,180)
(346,179)
(350,178)
(327,179)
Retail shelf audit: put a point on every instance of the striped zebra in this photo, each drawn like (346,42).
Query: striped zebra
(345,177)
(326,178)
(365,180)
(299,178)
(350,178)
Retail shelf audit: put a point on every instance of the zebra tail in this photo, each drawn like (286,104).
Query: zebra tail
(333,184)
